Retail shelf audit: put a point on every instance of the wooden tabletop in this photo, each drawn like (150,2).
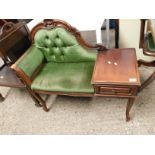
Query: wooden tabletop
(116,66)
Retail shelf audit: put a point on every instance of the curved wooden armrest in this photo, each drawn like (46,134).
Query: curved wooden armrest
(99,47)
(20,73)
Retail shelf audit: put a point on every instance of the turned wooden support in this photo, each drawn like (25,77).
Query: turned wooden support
(37,98)
(128,108)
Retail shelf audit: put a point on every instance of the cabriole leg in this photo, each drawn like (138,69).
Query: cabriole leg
(128,108)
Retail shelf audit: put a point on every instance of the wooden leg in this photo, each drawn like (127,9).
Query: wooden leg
(37,103)
(147,82)
(1,98)
(128,108)
(43,102)
(38,98)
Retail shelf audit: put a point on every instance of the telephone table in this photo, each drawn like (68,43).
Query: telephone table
(116,75)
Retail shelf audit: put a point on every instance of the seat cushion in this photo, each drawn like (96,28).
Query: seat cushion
(65,77)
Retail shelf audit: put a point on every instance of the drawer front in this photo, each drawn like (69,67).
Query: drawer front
(116,91)
(119,90)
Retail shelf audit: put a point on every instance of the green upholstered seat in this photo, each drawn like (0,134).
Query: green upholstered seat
(65,77)
(68,66)
(150,43)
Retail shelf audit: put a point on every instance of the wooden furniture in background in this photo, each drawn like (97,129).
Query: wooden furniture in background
(143,43)
(8,78)
(116,75)
(14,41)
(117,33)
(112,38)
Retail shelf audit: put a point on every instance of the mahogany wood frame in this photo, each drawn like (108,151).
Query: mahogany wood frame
(142,44)
(50,24)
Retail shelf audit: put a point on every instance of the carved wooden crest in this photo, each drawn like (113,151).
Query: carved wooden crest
(53,23)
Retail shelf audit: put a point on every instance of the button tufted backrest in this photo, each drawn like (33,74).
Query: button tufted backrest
(59,45)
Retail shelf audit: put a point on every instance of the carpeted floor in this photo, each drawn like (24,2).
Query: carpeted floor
(70,115)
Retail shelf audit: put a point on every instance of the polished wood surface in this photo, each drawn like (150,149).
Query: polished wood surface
(14,41)
(116,75)
(116,66)
(111,90)
(143,37)
(128,108)
(8,78)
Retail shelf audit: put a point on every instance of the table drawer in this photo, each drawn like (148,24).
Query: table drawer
(113,90)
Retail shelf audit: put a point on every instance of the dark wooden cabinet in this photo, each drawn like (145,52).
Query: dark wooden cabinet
(14,40)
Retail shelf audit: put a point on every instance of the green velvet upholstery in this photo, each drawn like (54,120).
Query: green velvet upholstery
(67,67)
(58,45)
(150,43)
(29,62)
(65,77)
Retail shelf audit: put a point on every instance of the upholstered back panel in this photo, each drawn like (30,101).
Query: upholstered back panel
(59,45)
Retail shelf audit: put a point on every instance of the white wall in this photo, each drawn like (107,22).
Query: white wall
(80,24)
(129,36)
